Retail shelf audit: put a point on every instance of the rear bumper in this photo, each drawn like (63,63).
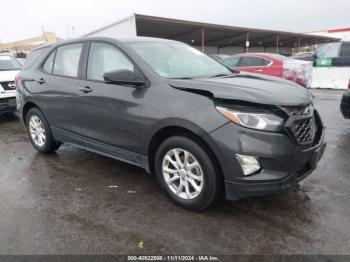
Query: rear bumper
(345,104)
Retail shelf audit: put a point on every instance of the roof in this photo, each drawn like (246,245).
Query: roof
(220,35)
(214,34)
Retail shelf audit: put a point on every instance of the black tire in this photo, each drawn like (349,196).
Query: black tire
(212,185)
(50,145)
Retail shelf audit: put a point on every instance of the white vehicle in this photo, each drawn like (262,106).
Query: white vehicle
(9,68)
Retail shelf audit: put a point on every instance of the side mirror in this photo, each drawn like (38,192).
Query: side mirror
(123,77)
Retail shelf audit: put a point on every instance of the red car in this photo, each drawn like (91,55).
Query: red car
(272,64)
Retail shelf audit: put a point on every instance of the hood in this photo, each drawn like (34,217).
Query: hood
(6,76)
(261,89)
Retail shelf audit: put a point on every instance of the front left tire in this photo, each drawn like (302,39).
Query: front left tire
(39,132)
(187,173)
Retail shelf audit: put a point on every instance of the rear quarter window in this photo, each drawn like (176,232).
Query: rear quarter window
(33,56)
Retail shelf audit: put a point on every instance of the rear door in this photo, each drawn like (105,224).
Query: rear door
(56,86)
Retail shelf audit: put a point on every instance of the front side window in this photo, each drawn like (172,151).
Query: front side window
(67,60)
(231,62)
(177,60)
(8,63)
(104,58)
(345,49)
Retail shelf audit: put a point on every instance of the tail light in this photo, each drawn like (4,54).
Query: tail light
(17,80)
(349,84)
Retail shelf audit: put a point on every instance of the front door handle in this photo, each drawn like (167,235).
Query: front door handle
(40,81)
(258,70)
(85,89)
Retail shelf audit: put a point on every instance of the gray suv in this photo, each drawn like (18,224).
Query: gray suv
(203,130)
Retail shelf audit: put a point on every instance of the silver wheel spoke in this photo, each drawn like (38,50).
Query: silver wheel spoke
(171,161)
(170,171)
(179,189)
(173,179)
(187,189)
(193,165)
(194,185)
(177,157)
(193,176)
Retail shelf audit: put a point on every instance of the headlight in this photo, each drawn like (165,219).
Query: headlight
(260,121)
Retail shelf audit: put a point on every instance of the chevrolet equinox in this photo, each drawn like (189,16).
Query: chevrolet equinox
(203,130)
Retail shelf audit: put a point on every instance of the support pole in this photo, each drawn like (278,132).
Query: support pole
(203,39)
(247,43)
(277,43)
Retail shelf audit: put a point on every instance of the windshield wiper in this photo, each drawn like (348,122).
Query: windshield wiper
(234,72)
(182,78)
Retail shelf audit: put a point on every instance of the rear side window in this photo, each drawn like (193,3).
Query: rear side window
(48,65)
(105,58)
(67,60)
(253,61)
(231,62)
(33,56)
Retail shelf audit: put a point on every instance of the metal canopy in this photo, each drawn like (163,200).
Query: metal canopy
(201,34)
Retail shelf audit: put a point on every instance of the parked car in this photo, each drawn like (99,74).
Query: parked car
(9,68)
(305,56)
(272,64)
(333,54)
(170,109)
(345,103)
(21,60)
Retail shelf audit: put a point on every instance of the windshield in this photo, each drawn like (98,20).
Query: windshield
(328,50)
(8,63)
(178,60)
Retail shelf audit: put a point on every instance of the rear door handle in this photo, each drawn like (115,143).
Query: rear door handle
(85,89)
(40,81)
(258,70)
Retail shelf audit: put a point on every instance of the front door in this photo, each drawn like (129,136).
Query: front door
(109,113)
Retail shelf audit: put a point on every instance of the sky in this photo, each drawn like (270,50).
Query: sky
(22,19)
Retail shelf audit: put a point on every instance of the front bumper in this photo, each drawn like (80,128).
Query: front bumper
(283,162)
(7,104)
(345,104)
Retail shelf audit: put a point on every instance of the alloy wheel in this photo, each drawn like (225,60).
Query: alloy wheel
(182,173)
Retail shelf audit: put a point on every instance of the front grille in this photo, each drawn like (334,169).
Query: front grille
(304,130)
(302,125)
(298,110)
(8,86)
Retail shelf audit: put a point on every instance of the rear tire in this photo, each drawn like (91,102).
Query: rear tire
(186,172)
(39,132)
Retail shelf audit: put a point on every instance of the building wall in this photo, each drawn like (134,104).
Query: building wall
(343,35)
(281,50)
(231,50)
(209,50)
(124,28)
